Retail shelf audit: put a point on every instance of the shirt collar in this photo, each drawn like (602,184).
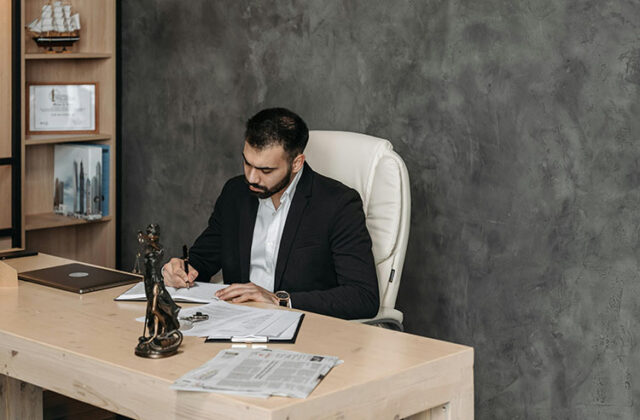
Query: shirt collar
(288,194)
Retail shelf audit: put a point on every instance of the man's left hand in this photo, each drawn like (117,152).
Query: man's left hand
(246,292)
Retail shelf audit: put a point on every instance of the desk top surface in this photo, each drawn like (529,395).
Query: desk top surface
(94,327)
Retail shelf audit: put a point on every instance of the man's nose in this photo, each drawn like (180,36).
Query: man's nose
(252,176)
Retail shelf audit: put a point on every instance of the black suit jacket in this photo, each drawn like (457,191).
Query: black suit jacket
(324,261)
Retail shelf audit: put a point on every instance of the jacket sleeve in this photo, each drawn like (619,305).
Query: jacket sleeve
(206,252)
(356,295)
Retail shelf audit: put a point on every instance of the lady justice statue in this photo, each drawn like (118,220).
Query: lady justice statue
(161,336)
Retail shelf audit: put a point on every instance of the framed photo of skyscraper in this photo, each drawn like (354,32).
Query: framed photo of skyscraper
(62,108)
(81,180)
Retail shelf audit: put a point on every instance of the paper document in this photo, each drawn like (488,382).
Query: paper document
(259,373)
(198,293)
(228,321)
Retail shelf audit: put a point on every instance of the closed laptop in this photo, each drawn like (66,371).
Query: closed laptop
(79,278)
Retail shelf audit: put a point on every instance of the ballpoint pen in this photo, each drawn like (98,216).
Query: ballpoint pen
(185,258)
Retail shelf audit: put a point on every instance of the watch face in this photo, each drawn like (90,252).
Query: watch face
(282,295)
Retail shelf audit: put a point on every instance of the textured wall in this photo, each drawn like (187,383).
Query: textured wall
(518,122)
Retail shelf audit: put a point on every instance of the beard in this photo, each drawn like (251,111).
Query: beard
(268,192)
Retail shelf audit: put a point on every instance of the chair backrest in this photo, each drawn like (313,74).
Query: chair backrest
(370,166)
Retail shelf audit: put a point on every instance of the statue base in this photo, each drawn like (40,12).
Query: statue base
(159,347)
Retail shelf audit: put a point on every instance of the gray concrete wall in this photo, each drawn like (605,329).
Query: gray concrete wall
(518,121)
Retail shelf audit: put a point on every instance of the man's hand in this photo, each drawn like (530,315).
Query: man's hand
(246,292)
(174,275)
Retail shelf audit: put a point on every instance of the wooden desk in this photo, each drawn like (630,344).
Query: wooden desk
(82,346)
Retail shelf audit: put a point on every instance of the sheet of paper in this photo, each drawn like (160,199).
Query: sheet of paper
(198,293)
(227,320)
(287,322)
(135,292)
(220,313)
(248,325)
(289,332)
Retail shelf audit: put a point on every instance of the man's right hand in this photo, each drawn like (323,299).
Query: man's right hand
(175,276)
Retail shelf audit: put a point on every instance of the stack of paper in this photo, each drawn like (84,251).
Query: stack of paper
(259,373)
(198,293)
(242,323)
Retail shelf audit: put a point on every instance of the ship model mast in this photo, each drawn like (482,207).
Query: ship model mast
(56,27)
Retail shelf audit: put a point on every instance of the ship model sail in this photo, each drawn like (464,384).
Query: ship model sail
(56,27)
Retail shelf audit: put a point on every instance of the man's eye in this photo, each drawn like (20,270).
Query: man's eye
(267,171)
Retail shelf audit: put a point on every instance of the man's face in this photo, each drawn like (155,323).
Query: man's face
(267,171)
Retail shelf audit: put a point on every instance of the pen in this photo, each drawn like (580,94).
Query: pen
(185,257)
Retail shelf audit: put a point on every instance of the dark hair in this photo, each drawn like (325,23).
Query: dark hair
(275,126)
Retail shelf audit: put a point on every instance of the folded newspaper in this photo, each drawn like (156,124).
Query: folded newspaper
(259,373)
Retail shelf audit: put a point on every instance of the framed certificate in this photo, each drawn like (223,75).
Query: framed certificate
(62,108)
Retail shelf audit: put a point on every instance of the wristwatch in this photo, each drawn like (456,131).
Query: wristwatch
(283,298)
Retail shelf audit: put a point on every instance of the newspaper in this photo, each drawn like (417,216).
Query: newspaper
(259,373)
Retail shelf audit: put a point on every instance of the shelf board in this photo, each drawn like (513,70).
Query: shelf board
(52,220)
(67,56)
(36,140)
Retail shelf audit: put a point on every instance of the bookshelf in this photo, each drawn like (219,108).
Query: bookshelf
(92,59)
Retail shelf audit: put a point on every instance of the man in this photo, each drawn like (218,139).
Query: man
(282,227)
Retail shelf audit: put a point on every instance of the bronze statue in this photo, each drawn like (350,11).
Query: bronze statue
(161,320)
(142,245)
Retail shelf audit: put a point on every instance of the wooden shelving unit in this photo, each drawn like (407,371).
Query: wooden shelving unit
(35,140)
(7,160)
(52,220)
(92,59)
(67,56)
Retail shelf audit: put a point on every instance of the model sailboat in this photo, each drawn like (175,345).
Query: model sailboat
(57,26)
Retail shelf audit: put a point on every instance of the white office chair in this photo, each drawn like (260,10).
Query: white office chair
(370,166)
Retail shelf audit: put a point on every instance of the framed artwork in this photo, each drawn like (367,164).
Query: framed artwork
(62,108)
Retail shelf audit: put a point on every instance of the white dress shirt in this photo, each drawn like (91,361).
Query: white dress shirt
(267,233)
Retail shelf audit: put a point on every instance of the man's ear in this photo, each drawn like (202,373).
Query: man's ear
(298,162)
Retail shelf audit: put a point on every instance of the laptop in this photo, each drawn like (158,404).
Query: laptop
(79,278)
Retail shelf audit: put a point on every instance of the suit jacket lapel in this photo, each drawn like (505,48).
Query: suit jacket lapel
(296,211)
(248,212)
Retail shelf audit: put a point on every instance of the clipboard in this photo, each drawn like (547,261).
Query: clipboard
(264,340)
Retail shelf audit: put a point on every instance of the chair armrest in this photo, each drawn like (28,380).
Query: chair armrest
(386,318)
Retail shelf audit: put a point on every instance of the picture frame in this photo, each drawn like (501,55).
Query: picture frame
(62,108)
